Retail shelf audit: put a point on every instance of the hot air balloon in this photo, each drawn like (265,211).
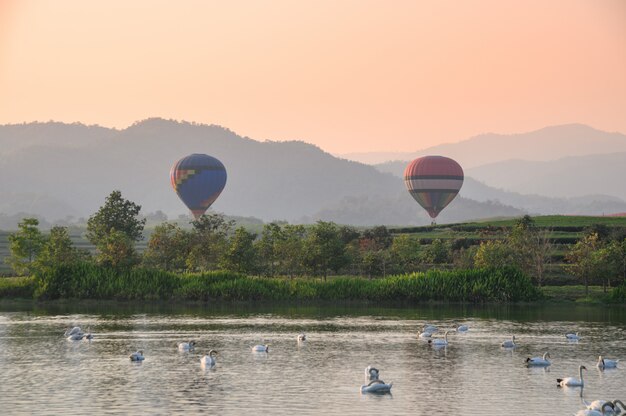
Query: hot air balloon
(198,180)
(433,181)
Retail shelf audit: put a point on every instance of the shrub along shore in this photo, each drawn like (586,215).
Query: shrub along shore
(90,281)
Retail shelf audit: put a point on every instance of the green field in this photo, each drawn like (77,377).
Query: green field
(561,226)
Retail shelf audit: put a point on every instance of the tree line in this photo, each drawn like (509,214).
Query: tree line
(322,249)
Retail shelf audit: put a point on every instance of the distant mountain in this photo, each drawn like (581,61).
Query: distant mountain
(403,210)
(15,137)
(546,144)
(568,177)
(589,203)
(66,170)
(538,204)
(268,180)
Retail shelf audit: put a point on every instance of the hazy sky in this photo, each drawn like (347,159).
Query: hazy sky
(347,75)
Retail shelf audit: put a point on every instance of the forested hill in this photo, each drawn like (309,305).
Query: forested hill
(269,180)
(68,169)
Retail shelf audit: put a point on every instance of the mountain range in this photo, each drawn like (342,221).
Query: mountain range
(58,170)
(546,144)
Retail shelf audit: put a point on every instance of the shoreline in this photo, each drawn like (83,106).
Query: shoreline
(357,303)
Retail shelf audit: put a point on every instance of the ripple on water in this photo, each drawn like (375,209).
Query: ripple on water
(44,373)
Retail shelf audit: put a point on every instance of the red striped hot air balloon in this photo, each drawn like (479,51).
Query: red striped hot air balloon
(433,181)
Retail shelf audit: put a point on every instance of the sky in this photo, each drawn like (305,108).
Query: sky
(348,76)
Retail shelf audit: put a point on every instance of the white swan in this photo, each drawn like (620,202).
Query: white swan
(75,330)
(606,363)
(430,328)
(509,343)
(186,346)
(438,342)
(301,337)
(462,328)
(572,336)
(606,409)
(261,348)
(376,386)
(572,381)
(76,337)
(539,361)
(137,356)
(424,335)
(598,405)
(209,359)
(371,373)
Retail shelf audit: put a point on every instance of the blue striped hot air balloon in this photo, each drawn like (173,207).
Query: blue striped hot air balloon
(198,180)
(433,181)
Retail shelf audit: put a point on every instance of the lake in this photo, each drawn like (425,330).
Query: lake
(43,373)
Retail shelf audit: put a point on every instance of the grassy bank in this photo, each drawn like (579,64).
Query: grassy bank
(88,281)
(576,294)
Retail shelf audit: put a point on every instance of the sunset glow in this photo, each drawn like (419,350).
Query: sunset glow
(349,76)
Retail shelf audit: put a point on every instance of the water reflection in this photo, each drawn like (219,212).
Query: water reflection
(42,372)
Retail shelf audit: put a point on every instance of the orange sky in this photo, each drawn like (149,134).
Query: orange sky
(348,75)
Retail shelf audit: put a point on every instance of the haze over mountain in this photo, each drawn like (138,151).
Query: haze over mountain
(568,177)
(59,169)
(549,143)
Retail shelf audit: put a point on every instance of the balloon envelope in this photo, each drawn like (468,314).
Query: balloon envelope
(433,181)
(198,180)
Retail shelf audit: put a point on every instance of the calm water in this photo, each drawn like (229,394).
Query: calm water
(43,373)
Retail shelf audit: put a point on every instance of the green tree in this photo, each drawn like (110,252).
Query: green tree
(240,256)
(324,249)
(620,254)
(289,249)
(114,229)
(117,214)
(463,258)
(24,246)
(437,252)
(168,247)
(540,254)
(611,259)
(583,261)
(373,249)
(268,248)
(58,250)
(493,254)
(531,248)
(117,250)
(405,253)
(208,242)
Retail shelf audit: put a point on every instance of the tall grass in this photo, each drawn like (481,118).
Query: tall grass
(89,281)
(17,287)
(618,295)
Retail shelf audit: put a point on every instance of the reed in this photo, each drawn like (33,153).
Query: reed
(90,281)
(618,295)
(17,287)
